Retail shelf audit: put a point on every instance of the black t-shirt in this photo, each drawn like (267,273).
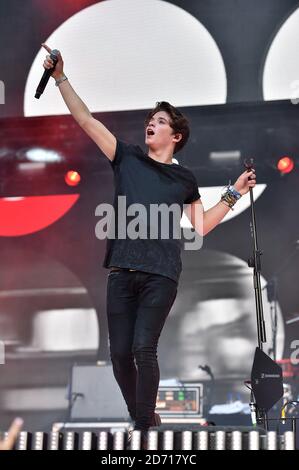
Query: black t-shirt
(145,181)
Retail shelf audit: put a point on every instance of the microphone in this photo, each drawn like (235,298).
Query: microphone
(47,74)
(207,369)
(249,165)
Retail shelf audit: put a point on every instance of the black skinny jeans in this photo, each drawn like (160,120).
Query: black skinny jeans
(138,304)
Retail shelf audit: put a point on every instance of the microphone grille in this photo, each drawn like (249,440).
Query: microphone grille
(55,52)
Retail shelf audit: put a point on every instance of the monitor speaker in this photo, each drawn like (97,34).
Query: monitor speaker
(95,395)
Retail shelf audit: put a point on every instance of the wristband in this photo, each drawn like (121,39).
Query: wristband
(60,80)
(230,197)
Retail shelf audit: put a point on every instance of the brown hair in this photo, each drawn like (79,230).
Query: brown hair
(179,122)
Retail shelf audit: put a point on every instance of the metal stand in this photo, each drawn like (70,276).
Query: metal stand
(255,262)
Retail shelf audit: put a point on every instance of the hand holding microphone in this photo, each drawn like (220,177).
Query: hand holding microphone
(247,180)
(249,165)
(53,66)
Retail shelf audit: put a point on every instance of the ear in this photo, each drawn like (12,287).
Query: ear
(177,137)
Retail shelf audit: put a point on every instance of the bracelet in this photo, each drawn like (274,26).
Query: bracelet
(227,204)
(60,80)
(230,197)
(236,193)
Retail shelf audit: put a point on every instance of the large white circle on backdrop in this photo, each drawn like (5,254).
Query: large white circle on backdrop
(281,70)
(128,54)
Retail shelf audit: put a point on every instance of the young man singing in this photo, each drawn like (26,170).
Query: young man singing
(144,272)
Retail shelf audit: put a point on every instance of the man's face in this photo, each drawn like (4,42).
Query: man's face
(159,133)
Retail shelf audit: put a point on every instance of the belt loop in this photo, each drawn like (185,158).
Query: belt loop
(115,269)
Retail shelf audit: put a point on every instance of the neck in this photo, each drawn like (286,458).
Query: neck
(162,155)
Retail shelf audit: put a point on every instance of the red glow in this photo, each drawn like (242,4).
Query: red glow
(285,165)
(23,215)
(72,178)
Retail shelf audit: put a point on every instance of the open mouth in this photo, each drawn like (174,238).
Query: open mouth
(150,132)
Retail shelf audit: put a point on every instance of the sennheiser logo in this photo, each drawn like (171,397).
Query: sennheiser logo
(2,92)
(269,376)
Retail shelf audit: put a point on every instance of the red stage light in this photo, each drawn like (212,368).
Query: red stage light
(72,178)
(24,215)
(285,165)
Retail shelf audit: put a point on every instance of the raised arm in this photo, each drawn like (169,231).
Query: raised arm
(104,139)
